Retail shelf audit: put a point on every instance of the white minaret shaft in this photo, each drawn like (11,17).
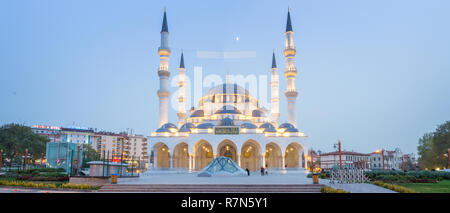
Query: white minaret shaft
(274,94)
(181,93)
(164,74)
(291,72)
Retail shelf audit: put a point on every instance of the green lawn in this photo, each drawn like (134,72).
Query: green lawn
(439,187)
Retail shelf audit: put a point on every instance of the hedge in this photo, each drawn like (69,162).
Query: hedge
(394,187)
(327,189)
(410,176)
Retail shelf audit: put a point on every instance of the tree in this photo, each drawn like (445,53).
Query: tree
(89,155)
(15,138)
(433,147)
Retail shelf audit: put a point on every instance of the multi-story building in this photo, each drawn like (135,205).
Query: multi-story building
(120,146)
(349,160)
(110,145)
(136,151)
(79,135)
(53,133)
(386,160)
(409,162)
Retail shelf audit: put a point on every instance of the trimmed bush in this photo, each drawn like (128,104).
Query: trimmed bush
(327,189)
(394,187)
(410,176)
(48,185)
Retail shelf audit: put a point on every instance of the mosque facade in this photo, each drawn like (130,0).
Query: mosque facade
(228,121)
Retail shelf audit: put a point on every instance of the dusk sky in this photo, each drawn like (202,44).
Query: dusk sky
(374,74)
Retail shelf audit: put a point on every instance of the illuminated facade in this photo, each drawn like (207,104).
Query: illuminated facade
(227,122)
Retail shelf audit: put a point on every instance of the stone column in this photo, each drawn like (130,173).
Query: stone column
(304,163)
(155,159)
(170,160)
(239,159)
(263,160)
(283,164)
(190,162)
(300,161)
(193,163)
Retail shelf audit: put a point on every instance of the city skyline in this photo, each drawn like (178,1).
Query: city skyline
(359,81)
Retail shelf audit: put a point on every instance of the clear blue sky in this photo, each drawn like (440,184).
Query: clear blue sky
(374,74)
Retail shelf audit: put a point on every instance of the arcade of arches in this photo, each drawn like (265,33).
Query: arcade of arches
(251,155)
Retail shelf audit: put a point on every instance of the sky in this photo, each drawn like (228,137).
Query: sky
(373,74)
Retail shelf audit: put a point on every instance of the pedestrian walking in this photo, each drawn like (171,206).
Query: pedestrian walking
(248,171)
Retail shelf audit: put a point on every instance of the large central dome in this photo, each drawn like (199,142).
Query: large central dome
(227,89)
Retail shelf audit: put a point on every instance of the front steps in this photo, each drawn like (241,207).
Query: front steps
(208,188)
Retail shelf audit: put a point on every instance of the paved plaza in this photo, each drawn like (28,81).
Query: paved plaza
(274,177)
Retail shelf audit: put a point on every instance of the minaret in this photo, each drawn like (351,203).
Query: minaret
(291,72)
(182,93)
(274,94)
(164,73)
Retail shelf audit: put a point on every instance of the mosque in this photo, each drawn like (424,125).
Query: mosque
(227,122)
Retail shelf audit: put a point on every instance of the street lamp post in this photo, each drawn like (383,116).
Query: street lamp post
(26,158)
(338,146)
(382,157)
(1,159)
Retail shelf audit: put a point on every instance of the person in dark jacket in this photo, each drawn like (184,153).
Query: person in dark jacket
(262,171)
(248,171)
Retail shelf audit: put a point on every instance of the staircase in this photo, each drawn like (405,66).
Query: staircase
(184,188)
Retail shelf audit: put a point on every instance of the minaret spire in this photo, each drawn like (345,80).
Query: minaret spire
(288,23)
(274,63)
(181,93)
(182,60)
(164,74)
(274,94)
(291,72)
(164,28)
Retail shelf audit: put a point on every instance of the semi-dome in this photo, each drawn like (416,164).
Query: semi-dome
(198,113)
(248,126)
(163,130)
(168,126)
(205,126)
(268,127)
(291,130)
(228,109)
(226,122)
(286,126)
(186,127)
(257,113)
(227,89)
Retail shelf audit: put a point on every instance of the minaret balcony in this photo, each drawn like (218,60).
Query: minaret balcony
(163,73)
(291,93)
(289,51)
(291,71)
(162,93)
(163,51)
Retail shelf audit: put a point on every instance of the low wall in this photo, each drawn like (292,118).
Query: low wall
(90,180)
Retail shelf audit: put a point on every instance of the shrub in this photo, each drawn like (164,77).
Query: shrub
(53,174)
(394,187)
(78,186)
(327,189)
(24,177)
(27,184)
